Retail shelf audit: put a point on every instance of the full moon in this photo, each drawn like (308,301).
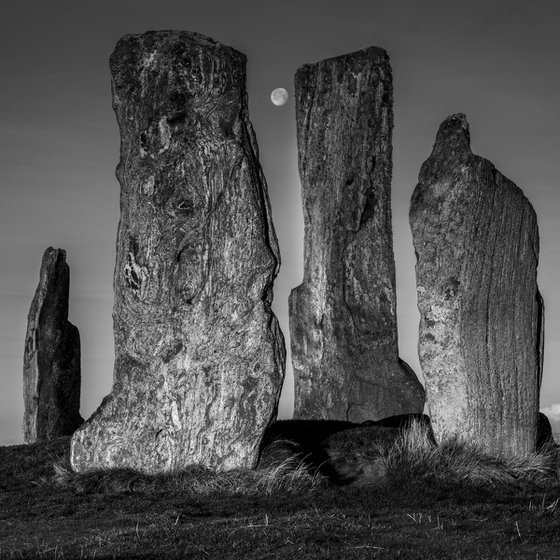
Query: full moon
(279,96)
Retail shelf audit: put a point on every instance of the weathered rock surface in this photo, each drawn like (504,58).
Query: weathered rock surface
(480,346)
(199,354)
(343,316)
(51,361)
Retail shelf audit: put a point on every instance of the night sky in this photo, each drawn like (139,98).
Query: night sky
(498,62)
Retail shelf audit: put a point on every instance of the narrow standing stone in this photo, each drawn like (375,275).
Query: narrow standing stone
(343,316)
(51,361)
(199,354)
(481,329)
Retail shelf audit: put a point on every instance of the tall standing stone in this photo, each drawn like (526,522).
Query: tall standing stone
(51,361)
(199,354)
(343,316)
(481,329)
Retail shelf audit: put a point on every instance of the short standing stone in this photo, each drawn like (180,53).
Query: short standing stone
(343,316)
(51,361)
(199,354)
(477,244)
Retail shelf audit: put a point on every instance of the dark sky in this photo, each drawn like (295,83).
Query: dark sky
(496,61)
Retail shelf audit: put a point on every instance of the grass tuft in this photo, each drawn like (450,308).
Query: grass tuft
(290,475)
(454,461)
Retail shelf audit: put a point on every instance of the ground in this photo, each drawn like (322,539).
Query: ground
(400,516)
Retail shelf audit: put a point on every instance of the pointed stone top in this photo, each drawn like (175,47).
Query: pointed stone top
(52,258)
(52,252)
(454,133)
(452,146)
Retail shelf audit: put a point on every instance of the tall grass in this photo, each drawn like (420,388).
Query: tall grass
(454,461)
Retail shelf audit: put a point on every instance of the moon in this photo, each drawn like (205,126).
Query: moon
(279,96)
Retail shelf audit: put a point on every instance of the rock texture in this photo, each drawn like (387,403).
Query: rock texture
(199,354)
(51,361)
(343,316)
(480,346)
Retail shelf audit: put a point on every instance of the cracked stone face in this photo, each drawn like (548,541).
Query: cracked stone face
(343,316)
(199,358)
(481,331)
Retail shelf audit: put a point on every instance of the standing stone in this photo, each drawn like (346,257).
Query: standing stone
(343,316)
(51,360)
(480,346)
(199,354)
